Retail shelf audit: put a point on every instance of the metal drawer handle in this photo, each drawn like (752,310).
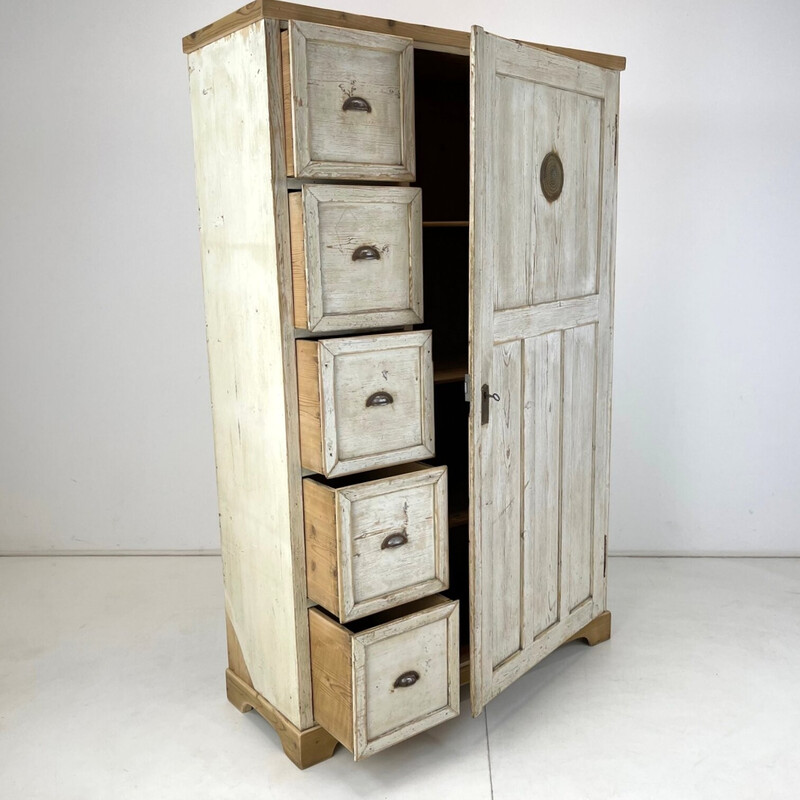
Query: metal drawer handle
(406,679)
(379,399)
(356,104)
(394,540)
(366,253)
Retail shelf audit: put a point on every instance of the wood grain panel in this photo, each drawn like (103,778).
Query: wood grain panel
(322,552)
(299,282)
(541,485)
(505,430)
(577,466)
(332,676)
(310,405)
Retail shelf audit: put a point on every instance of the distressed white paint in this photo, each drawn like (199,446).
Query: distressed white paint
(426,642)
(541,299)
(343,293)
(373,577)
(236,94)
(330,64)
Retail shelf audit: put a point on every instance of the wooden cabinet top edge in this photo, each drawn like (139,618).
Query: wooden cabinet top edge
(421,34)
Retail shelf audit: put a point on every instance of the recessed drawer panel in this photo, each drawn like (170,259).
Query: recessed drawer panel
(356,257)
(376,544)
(376,686)
(348,101)
(365,401)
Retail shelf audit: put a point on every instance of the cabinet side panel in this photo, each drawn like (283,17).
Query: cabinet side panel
(253,390)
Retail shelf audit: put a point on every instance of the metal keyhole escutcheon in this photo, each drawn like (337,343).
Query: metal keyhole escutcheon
(551,177)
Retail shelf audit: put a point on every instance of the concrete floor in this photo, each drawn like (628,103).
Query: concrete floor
(111,686)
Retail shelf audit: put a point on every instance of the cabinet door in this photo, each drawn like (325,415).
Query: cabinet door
(541,266)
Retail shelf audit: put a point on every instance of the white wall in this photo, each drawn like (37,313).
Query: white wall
(104,408)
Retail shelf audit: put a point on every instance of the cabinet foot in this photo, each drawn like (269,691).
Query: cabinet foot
(598,630)
(304,748)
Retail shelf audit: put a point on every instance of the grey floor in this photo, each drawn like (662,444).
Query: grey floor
(111,686)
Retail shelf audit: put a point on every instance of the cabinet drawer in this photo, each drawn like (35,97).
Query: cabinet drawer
(348,103)
(356,256)
(375,687)
(365,401)
(377,544)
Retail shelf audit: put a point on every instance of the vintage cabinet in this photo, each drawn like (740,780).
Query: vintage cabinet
(408,262)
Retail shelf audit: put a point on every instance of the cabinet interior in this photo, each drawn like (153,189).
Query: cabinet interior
(442,97)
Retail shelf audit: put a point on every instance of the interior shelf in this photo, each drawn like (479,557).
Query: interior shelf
(449,373)
(445,224)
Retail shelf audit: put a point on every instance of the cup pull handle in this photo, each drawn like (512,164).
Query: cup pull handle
(406,679)
(356,104)
(366,253)
(379,399)
(394,540)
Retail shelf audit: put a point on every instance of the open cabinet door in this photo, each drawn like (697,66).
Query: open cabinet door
(543,204)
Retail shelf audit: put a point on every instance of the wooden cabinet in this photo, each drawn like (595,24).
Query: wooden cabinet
(408,261)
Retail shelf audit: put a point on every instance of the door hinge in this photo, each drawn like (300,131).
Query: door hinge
(486,396)
(468,388)
(616,137)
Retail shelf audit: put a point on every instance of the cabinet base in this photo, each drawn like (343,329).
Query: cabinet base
(303,748)
(598,630)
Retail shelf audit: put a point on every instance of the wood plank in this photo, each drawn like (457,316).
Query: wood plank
(309,404)
(512,162)
(246,276)
(445,224)
(299,283)
(530,321)
(332,676)
(288,119)
(542,446)
(577,466)
(505,429)
(322,553)
(236,662)
(424,34)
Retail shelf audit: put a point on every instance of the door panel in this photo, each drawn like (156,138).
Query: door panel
(541,267)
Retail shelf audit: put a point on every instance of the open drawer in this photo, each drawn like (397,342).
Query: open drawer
(356,256)
(376,686)
(348,103)
(365,401)
(375,544)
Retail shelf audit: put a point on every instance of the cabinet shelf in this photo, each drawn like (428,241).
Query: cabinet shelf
(445,224)
(449,373)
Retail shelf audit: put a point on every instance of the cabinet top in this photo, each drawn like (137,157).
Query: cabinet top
(433,38)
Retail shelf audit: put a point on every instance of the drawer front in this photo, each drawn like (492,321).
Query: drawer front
(351,102)
(393,540)
(406,678)
(375,402)
(375,545)
(378,686)
(356,257)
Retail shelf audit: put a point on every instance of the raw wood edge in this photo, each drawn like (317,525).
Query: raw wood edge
(236,662)
(309,403)
(288,136)
(299,284)
(424,34)
(303,748)
(332,676)
(322,553)
(597,631)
